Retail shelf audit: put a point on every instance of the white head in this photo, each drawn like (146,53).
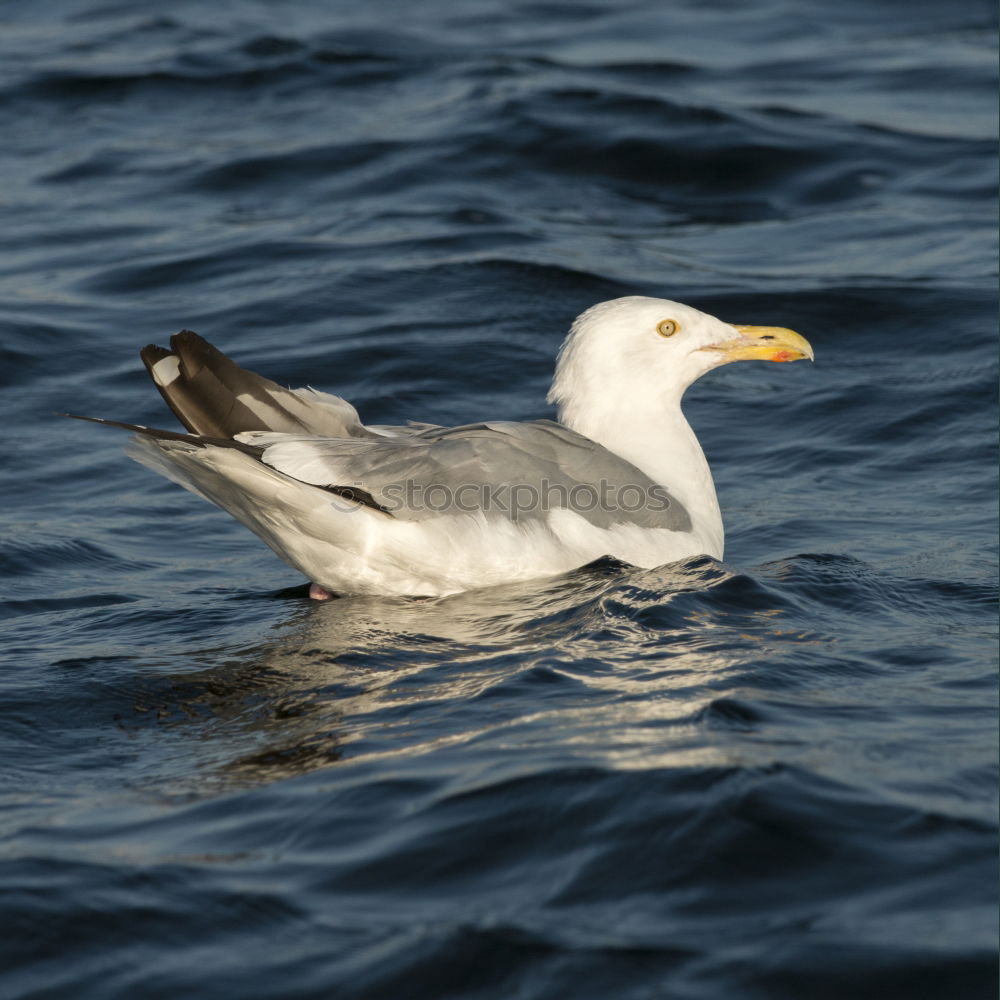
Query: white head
(642,353)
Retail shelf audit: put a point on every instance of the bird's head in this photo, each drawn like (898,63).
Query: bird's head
(638,349)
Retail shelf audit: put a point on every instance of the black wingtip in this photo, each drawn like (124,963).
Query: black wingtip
(164,435)
(138,428)
(152,353)
(190,340)
(77,416)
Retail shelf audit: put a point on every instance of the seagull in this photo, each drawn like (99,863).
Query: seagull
(424,510)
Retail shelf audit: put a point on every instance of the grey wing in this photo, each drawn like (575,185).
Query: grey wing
(516,470)
(409,429)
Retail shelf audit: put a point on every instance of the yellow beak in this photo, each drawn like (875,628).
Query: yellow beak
(763,343)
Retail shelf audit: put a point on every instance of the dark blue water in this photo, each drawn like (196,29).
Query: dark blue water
(769,778)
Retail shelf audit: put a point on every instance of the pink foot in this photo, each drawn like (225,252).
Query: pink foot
(318,593)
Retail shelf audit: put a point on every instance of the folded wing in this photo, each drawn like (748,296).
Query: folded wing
(520,471)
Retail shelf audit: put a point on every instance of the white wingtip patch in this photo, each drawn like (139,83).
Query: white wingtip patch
(166,370)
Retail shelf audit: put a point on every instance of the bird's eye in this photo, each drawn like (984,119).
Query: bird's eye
(667,327)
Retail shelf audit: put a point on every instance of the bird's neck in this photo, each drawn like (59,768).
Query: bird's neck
(659,441)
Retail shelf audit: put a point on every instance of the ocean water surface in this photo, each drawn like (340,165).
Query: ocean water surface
(769,777)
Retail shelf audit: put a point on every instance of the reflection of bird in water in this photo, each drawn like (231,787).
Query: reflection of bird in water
(427,510)
(617,659)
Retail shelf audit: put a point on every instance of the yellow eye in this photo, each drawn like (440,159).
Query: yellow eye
(667,327)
